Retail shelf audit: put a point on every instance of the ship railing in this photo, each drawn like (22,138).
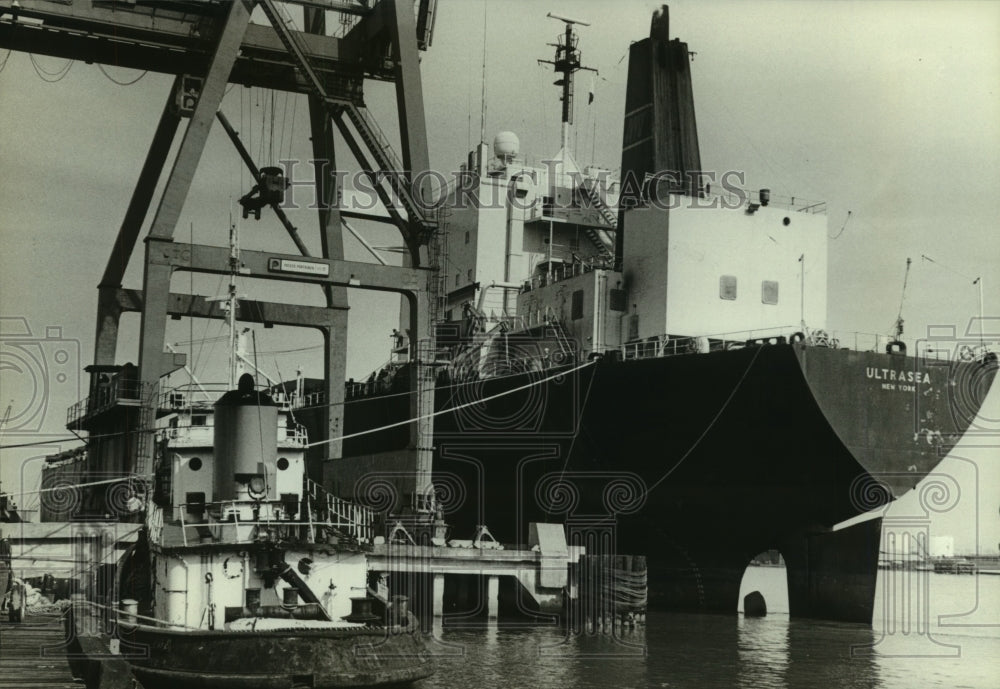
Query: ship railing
(197,433)
(566,271)
(497,365)
(194,395)
(729,197)
(673,345)
(940,349)
(116,392)
(106,617)
(296,433)
(539,173)
(326,511)
(356,520)
(929,349)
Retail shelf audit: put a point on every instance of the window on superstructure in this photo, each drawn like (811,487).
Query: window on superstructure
(198,420)
(253,598)
(458,277)
(616,299)
(466,236)
(576,312)
(727,287)
(769,292)
(470,275)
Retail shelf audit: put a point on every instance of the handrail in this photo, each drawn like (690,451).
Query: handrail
(567,271)
(667,345)
(739,197)
(192,395)
(117,391)
(122,614)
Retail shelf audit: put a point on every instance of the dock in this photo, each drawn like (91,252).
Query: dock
(34,654)
(545,578)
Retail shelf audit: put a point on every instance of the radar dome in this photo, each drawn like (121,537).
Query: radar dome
(505,145)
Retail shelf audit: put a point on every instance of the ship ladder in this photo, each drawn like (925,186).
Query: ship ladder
(565,348)
(355,520)
(599,237)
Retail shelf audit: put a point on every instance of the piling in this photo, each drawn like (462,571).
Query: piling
(611,593)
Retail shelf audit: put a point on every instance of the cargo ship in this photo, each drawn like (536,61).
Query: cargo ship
(643,356)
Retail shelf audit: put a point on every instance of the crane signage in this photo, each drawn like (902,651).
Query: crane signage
(287,265)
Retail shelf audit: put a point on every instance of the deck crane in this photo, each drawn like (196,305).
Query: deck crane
(898,326)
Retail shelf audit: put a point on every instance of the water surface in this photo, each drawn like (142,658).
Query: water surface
(949,637)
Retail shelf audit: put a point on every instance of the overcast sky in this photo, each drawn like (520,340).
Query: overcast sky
(888,110)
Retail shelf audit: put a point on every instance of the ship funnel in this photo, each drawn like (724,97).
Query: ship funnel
(660,131)
(246,431)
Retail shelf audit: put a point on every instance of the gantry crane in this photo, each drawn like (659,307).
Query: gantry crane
(207,45)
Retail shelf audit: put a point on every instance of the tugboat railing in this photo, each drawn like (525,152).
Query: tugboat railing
(356,521)
(190,395)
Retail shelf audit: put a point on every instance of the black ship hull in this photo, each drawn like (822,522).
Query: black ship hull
(698,461)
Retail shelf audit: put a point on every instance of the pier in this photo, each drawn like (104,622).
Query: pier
(33,654)
(546,577)
(543,579)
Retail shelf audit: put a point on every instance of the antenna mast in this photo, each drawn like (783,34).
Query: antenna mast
(232,301)
(566,63)
(482,110)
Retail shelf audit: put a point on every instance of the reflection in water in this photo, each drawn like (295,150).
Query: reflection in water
(723,651)
(762,650)
(819,655)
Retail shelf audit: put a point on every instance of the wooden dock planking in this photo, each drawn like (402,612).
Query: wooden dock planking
(22,663)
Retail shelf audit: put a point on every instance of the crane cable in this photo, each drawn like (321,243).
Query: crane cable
(50,77)
(116,81)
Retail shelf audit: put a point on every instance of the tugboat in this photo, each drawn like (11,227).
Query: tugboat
(247,574)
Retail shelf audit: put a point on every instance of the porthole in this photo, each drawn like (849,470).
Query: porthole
(195,463)
(282,463)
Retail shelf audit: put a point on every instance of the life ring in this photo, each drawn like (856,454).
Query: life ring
(797,337)
(895,347)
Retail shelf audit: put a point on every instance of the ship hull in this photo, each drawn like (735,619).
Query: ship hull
(279,658)
(697,461)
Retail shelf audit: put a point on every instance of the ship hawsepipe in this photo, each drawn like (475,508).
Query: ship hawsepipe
(698,461)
